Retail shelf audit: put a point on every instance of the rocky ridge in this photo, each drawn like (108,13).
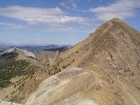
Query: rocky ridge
(62,89)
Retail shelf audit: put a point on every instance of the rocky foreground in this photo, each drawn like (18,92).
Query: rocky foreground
(65,88)
(8,103)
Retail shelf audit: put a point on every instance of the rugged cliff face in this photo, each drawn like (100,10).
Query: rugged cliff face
(110,76)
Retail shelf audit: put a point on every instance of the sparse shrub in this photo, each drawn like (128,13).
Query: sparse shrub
(6,96)
(14,86)
(64,66)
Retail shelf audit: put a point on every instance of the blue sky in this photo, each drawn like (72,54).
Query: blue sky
(61,21)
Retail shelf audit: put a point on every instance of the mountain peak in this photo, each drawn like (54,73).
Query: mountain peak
(19,51)
(113,21)
(116,20)
(106,26)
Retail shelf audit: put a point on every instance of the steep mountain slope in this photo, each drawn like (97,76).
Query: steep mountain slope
(111,54)
(116,54)
(98,39)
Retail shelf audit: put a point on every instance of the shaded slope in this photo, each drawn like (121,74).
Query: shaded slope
(60,49)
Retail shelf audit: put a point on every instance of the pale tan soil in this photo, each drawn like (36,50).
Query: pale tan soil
(17,78)
(21,57)
(8,91)
(58,86)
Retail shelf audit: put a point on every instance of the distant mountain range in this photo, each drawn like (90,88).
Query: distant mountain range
(8,44)
(31,47)
(5,46)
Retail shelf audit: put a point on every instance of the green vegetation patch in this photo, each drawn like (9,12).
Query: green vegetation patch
(5,83)
(10,68)
(7,57)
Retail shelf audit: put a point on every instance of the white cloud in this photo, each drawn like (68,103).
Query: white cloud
(88,1)
(63,4)
(19,35)
(11,25)
(69,4)
(121,8)
(74,5)
(58,29)
(4,33)
(49,16)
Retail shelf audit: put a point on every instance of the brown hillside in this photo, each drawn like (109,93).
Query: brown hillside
(105,37)
(113,53)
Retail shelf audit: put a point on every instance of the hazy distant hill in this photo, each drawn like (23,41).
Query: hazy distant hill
(32,48)
(60,49)
(37,48)
(4,46)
